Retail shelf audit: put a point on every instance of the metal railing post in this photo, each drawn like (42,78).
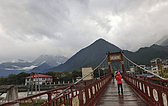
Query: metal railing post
(49,98)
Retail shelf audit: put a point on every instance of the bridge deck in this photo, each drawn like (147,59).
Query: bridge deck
(110,97)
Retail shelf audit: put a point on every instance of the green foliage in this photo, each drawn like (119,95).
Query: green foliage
(166,73)
(14,79)
(19,79)
(139,70)
(76,73)
(163,72)
(3,81)
(39,102)
(98,72)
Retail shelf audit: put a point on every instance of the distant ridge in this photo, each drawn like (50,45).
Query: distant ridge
(92,55)
(40,68)
(144,55)
(163,41)
(43,62)
(50,60)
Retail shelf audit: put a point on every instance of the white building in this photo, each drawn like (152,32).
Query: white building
(132,68)
(42,79)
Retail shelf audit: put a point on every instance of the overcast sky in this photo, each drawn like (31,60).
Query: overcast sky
(29,28)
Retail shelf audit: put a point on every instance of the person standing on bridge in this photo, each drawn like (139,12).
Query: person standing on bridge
(119,81)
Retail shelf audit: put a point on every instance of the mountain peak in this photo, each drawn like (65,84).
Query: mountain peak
(50,60)
(100,40)
(103,45)
(91,55)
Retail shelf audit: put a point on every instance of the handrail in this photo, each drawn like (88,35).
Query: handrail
(96,84)
(152,93)
(93,91)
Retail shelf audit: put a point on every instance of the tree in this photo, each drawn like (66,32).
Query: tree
(66,76)
(163,72)
(76,73)
(139,70)
(20,78)
(11,79)
(99,71)
(3,81)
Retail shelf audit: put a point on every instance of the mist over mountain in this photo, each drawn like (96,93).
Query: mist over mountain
(50,60)
(163,41)
(40,68)
(16,64)
(145,54)
(43,62)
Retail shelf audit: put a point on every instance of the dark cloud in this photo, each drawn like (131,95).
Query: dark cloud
(29,28)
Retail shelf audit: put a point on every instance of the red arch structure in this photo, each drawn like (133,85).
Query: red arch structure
(115,57)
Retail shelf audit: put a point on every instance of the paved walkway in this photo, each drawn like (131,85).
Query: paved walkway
(110,97)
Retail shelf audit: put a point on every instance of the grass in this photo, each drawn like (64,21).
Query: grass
(33,103)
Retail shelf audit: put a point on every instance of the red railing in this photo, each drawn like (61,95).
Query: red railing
(152,90)
(84,93)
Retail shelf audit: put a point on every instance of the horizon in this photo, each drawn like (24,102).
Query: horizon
(73,54)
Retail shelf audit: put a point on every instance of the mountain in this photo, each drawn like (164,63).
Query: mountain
(50,60)
(95,53)
(89,56)
(40,68)
(144,55)
(14,67)
(15,64)
(163,41)
(43,62)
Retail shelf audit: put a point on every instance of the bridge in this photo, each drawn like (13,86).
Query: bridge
(102,90)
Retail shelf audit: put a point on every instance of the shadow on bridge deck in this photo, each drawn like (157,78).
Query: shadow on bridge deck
(110,96)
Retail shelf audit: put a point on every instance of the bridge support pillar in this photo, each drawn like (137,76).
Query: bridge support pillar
(49,98)
(109,67)
(123,69)
(12,94)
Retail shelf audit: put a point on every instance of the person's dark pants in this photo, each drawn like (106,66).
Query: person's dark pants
(120,86)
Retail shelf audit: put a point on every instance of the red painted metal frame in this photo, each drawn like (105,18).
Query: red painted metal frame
(115,54)
(147,90)
(117,60)
(86,93)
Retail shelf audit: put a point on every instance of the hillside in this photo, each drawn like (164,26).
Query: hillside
(163,41)
(144,55)
(95,53)
(89,56)
(43,62)
(40,68)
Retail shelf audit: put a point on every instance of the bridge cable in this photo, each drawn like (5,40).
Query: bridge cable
(142,67)
(82,77)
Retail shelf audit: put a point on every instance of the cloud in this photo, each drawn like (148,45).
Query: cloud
(30,28)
